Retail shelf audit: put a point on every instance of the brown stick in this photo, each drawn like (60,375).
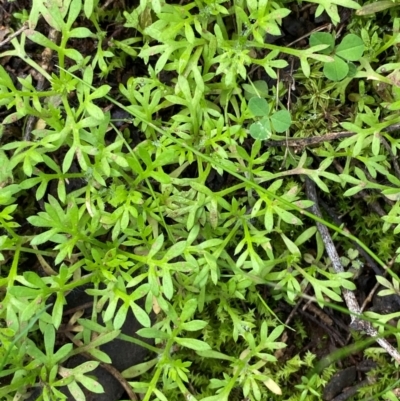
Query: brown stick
(331,136)
(351,301)
(301,142)
(13,35)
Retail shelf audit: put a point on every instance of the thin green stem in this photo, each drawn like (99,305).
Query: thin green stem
(164,358)
(28,94)
(5,226)
(14,267)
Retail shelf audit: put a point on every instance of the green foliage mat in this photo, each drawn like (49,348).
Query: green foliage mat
(154,155)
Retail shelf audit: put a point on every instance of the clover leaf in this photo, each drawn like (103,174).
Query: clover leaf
(350,49)
(262,129)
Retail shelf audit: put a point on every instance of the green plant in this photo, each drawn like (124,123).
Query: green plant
(352,262)
(351,48)
(331,8)
(377,7)
(278,121)
(135,210)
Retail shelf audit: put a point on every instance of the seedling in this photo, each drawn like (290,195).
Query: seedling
(263,128)
(350,49)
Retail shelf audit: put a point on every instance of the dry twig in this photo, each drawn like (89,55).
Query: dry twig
(352,304)
(14,35)
(331,136)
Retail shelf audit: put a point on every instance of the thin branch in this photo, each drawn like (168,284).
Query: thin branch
(117,374)
(338,221)
(13,35)
(331,136)
(352,304)
(301,142)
